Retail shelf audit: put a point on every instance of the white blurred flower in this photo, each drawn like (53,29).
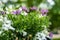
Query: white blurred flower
(10,6)
(5,28)
(51,2)
(5,18)
(0,2)
(24,33)
(20,9)
(4,1)
(25,13)
(40,36)
(11,28)
(7,22)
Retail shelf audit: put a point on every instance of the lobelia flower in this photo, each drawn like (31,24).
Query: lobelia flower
(33,8)
(44,11)
(2,12)
(16,11)
(25,9)
(51,34)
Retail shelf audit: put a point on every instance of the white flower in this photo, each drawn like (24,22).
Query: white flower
(5,28)
(51,2)
(0,2)
(11,28)
(25,13)
(40,36)
(10,6)
(4,1)
(20,9)
(7,22)
(24,33)
(5,18)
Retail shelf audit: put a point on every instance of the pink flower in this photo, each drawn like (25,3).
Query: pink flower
(44,11)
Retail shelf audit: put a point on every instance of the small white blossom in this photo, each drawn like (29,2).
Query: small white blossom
(25,13)
(4,1)
(40,36)
(24,33)
(7,24)
(51,2)
(10,6)
(11,28)
(20,9)
(0,2)
(5,28)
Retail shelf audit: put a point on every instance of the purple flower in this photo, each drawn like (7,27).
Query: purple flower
(44,11)
(33,8)
(16,11)
(51,34)
(24,8)
(2,12)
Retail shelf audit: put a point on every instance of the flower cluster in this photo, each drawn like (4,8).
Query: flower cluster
(22,21)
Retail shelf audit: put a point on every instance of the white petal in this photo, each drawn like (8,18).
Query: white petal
(11,28)
(4,1)
(52,3)
(20,9)
(5,28)
(49,0)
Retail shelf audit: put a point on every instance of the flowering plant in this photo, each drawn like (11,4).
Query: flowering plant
(22,22)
